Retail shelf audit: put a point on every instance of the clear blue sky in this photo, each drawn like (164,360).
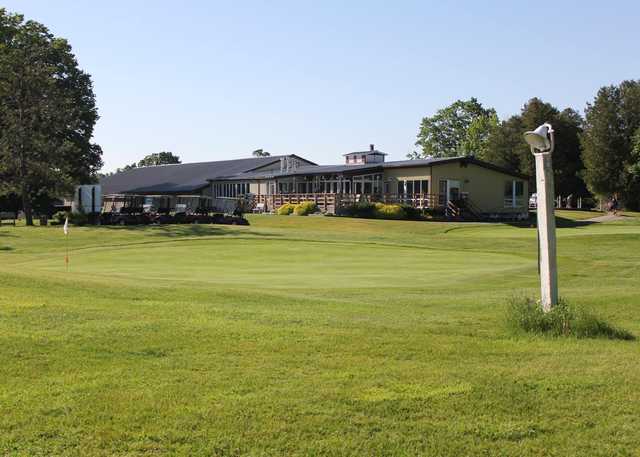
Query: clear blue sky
(215,80)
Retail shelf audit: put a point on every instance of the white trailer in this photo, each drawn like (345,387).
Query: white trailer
(87,199)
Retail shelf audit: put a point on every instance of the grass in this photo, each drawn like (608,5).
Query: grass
(564,319)
(311,336)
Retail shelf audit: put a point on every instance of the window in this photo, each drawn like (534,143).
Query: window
(424,186)
(519,188)
(513,194)
(442,192)
(408,187)
(400,187)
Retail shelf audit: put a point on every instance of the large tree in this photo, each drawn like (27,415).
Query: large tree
(461,128)
(610,142)
(47,114)
(506,146)
(159,158)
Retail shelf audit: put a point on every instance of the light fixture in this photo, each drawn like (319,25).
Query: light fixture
(541,139)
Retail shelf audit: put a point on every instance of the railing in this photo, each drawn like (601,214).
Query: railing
(510,203)
(329,203)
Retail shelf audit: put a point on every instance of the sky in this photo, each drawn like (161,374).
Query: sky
(212,80)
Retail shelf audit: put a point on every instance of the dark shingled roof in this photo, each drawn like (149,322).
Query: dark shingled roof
(370,167)
(179,178)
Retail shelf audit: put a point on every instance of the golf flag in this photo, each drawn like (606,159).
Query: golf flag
(66,234)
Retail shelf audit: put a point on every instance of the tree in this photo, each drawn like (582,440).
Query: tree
(506,146)
(159,158)
(260,153)
(47,114)
(610,141)
(461,128)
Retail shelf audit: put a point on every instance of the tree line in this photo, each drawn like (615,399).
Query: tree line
(598,153)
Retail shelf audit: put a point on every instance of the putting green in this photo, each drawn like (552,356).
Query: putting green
(276,263)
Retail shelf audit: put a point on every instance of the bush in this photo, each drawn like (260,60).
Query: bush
(381,211)
(286,209)
(525,314)
(412,213)
(78,219)
(305,208)
(59,217)
(384,211)
(360,209)
(75,219)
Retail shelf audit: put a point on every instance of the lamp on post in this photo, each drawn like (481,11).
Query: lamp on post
(542,142)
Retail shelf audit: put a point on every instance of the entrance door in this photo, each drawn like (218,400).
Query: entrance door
(453,190)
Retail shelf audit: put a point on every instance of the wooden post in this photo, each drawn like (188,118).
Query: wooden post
(546,231)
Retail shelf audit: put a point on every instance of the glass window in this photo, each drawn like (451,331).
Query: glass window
(519,188)
(425,186)
(367,187)
(400,187)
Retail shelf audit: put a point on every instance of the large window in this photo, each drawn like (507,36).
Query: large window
(413,187)
(513,194)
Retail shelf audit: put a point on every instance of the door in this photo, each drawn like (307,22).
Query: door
(453,190)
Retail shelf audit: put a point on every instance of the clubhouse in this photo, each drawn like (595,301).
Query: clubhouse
(448,184)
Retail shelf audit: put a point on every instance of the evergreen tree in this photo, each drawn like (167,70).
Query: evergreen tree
(609,142)
(506,146)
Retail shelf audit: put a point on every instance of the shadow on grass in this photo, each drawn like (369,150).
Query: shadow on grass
(525,315)
(6,248)
(187,230)
(561,222)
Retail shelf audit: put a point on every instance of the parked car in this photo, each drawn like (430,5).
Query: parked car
(533,201)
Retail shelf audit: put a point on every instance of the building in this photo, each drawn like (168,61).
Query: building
(165,186)
(457,185)
(453,185)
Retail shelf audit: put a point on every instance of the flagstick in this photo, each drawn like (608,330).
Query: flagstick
(65,229)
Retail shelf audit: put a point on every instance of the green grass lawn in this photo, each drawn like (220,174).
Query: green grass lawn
(312,336)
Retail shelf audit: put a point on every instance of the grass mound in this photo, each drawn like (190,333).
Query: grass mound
(525,314)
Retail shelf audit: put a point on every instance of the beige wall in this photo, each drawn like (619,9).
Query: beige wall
(484,186)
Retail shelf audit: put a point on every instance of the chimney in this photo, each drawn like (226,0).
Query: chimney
(372,147)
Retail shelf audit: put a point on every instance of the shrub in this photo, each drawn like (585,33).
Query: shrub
(412,213)
(305,208)
(286,209)
(78,219)
(59,217)
(381,211)
(384,211)
(361,209)
(525,314)
(74,218)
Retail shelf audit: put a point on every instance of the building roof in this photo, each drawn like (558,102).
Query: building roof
(370,168)
(180,178)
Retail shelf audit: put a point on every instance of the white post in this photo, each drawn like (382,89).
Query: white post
(546,231)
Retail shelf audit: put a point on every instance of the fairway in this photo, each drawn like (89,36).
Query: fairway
(312,336)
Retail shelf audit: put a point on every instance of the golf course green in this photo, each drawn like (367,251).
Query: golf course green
(312,336)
